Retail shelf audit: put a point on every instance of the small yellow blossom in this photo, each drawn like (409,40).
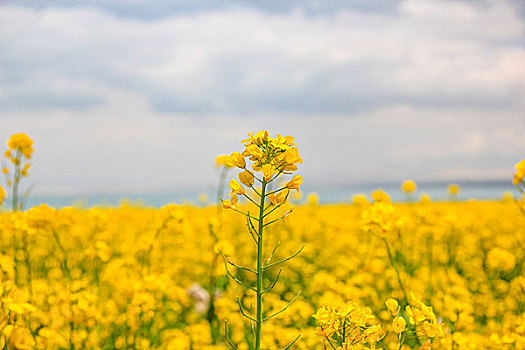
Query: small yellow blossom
(453,189)
(255,152)
(246,178)
(380,219)
(380,196)
(393,306)
(277,198)
(230,203)
(224,160)
(21,143)
(238,160)
(520,172)
(295,182)
(268,171)
(236,187)
(409,186)
(399,325)
(359,199)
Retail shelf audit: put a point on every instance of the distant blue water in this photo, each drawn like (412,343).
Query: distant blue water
(327,194)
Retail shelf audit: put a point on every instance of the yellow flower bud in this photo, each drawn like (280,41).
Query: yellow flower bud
(392,306)
(295,182)
(236,188)
(238,160)
(399,325)
(230,203)
(268,171)
(409,186)
(246,178)
(453,189)
(223,160)
(255,151)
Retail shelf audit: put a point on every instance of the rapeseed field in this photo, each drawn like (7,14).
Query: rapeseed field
(367,275)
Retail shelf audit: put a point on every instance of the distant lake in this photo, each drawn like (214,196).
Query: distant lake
(326,193)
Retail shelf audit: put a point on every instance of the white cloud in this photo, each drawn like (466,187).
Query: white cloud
(118,103)
(243,60)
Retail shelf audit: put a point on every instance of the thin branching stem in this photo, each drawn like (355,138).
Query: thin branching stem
(255,190)
(286,259)
(281,217)
(276,207)
(235,278)
(391,258)
(276,191)
(248,215)
(243,313)
(293,342)
(228,260)
(253,174)
(273,253)
(274,282)
(283,309)
(226,332)
(251,200)
(252,231)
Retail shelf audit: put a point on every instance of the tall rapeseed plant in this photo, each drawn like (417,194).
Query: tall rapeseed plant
(19,152)
(271,158)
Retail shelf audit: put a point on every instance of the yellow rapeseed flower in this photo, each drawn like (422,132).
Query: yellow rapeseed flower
(230,203)
(520,172)
(268,171)
(238,160)
(295,182)
(453,189)
(236,187)
(409,186)
(399,325)
(21,142)
(224,160)
(393,306)
(380,195)
(246,178)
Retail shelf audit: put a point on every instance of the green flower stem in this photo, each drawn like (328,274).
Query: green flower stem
(259,316)
(16,182)
(279,190)
(15,205)
(248,197)
(391,257)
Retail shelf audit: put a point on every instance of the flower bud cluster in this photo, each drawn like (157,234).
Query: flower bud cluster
(19,147)
(520,174)
(380,219)
(423,318)
(348,325)
(269,157)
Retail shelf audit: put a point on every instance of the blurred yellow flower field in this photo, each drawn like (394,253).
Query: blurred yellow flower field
(143,278)
(371,274)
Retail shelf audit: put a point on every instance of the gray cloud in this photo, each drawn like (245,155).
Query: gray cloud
(119,101)
(243,61)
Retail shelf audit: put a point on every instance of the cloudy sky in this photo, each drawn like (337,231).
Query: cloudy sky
(132,95)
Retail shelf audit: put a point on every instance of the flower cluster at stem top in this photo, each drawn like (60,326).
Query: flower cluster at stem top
(519,175)
(270,157)
(348,325)
(19,148)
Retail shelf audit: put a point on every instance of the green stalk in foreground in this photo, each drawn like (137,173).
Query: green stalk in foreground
(273,157)
(260,271)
